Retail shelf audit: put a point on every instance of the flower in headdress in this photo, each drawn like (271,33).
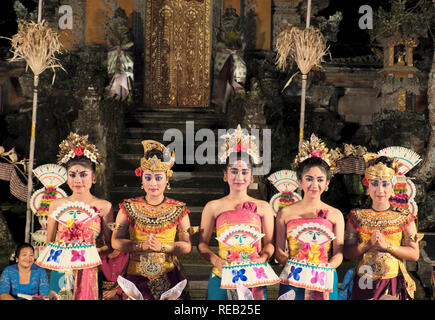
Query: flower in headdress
(365,181)
(316,153)
(238,147)
(138,172)
(79,151)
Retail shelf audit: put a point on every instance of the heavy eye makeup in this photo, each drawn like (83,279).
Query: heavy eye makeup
(82,174)
(149,177)
(376,183)
(235,171)
(311,179)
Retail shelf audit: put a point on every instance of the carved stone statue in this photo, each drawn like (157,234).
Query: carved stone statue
(229,67)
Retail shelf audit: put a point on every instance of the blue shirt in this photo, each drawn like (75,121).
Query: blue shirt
(10,281)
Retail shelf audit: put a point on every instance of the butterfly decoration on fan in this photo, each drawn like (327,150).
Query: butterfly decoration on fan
(286,183)
(294,272)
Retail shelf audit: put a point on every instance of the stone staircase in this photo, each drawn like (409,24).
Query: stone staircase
(191,183)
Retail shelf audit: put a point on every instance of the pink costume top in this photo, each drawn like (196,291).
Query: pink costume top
(309,243)
(246,214)
(86,280)
(311,251)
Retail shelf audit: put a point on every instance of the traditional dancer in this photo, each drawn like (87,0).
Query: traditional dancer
(146,227)
(306,229)
(241,221)
(75,223)
(374,236)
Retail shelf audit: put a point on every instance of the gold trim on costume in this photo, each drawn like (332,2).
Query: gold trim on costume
(149,218)
(379,171)
(77,145)
(154,163)
(315,147)
(239,141)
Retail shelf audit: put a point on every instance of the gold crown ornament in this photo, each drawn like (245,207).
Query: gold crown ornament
(315,147)
(76,145)
(238,141)
(153,163)
(379,170)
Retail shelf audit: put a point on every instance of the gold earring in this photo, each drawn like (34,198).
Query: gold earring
(225,179)
(141,186)
(168,186)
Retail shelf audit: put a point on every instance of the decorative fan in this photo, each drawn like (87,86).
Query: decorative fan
(41,199)
(240,235)
(406,157)
(51,175)
(286,182)
(313,232)
(38,241)
(76,211)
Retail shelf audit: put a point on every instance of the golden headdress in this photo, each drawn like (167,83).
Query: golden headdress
(315,147)
(379,170)
(153,163)
(238,141)
(76,145)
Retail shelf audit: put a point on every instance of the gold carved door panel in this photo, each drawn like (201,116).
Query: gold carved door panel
(177,53)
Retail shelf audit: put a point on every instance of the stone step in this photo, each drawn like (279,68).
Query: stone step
(127,178)
(191,196)
(177,110)
(133,145)
(130,161)
(169,121)
(158,131)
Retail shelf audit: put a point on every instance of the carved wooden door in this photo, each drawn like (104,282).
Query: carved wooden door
(177,53)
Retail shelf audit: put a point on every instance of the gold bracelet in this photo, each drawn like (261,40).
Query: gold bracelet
(391,247)
(165,247)
(138,246)
(185,231)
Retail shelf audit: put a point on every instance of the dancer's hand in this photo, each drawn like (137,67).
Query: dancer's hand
(373,239)
(380,240)
(153,243)
(219,263)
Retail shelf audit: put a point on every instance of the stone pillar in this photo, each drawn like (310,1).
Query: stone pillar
(74,38)
(89,122)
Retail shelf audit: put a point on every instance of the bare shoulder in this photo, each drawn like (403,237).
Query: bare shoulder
(104,206)
(335,215)
(264,206)
(212,207)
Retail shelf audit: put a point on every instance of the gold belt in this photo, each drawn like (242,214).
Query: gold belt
(151,264)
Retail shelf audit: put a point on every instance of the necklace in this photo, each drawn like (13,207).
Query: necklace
(154,205)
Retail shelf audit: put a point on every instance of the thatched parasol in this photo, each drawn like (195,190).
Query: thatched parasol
(307,48)
(37,44)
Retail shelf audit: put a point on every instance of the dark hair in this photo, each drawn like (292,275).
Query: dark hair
(80,160)
(18,249)
(311,162)
(154,152)
(383,159)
